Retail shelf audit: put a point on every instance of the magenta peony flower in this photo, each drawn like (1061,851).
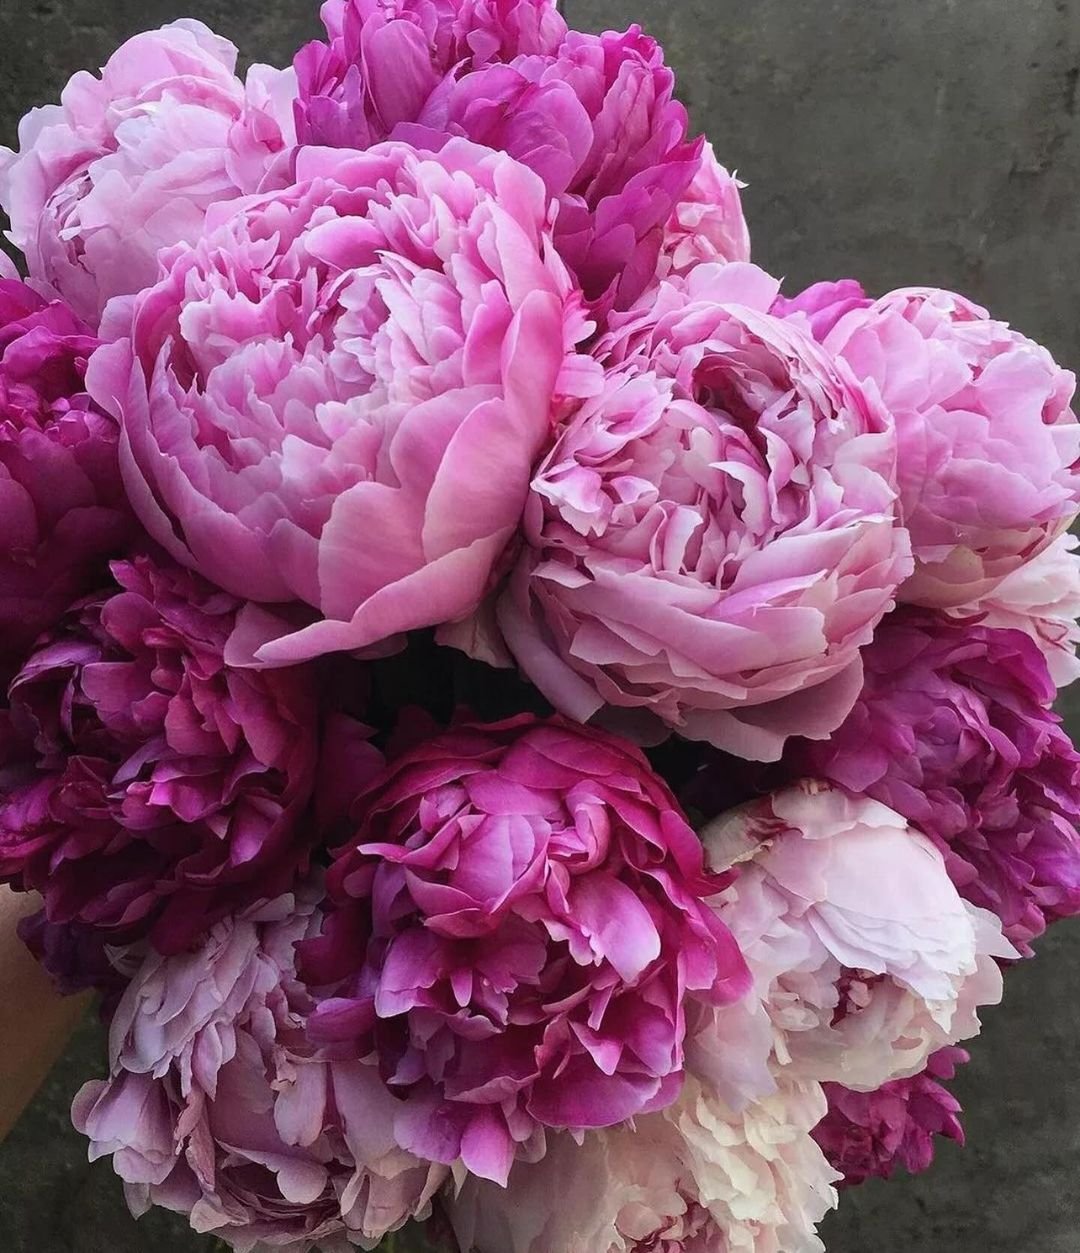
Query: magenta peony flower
(216,1107)
(693,1179)
(337,396)
(593,115)
(385,59)
(599,123)
(954,731)
(129,163)
(1042,599)
(712,538)
(62,507)
(864,957)
(867,1135)
(76,958)
(520,917)
(989,449)
(163,789)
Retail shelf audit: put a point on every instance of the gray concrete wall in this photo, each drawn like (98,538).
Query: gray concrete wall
(926,141)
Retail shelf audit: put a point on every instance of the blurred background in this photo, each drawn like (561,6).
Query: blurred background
(932,141)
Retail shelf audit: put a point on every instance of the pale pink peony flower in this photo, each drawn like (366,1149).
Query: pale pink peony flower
(708,224)
(864,956)
(522,917)
(337,396)
(711,539)
(1042,599)
(217,1108)
(988,447)
(130,162)
(695,1178)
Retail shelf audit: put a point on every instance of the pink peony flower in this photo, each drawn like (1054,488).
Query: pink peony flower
(863,955)
(62,507)
(521,915)
(216,1107)
(694,1178)
(708,224)
(954,731)
(163,789)
(989,449)
(593,115)
(822,305)
(711,539)
(867,1135)
(130,162)
(1042,599)
(385,60)
(338,395)
(499,30)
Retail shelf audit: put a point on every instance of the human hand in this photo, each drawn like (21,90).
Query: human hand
(36,1021)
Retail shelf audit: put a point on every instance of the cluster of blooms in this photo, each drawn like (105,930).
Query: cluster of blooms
(418,516)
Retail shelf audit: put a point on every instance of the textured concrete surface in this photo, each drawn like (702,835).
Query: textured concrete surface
(43,42)
(934,141)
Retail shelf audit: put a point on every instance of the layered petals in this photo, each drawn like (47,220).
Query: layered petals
(869,1135)
(954,730)
(337,396)
(63,512)
(594,115)
(598,121)
(216,1107)
(151,787)
(988,445)
(382,62)
(1042,599)
(712,538)
(708,225)
(520,918)
(822,305)
(129,163)
(695,1178)
(865,958)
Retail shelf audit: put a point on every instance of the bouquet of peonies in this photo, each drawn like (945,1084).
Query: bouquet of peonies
(527,727)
